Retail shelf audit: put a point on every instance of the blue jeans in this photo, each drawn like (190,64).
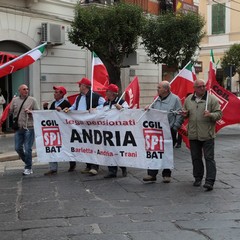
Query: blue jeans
(24,139)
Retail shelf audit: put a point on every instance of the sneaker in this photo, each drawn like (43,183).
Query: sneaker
(110,175)
(27,172)
(197,183)
(93,172)
(124,172)
(167,179)
(86,170)
(149,179)
(208,186)
(50,172)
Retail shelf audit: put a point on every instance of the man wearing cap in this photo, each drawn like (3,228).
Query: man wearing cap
(113,101)
(82,102)
(59,104)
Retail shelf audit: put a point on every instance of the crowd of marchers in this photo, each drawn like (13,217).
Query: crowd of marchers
(200,108)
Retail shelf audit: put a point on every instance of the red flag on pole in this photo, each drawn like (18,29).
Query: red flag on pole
(132,93)
(182,86)
(5,114)
(229,103)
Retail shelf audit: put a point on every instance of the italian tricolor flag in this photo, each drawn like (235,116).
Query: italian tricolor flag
(100,78)
(182,84)
(22,61)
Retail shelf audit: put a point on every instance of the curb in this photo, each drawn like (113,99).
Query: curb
(12,156)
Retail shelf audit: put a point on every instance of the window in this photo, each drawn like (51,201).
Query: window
(218,18)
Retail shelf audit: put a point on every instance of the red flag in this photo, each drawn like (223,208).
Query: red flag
(99,88)
(229,103)
(72,98)
(132,93)
(182,86)
(5,114)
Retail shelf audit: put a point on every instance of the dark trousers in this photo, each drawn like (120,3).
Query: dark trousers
(165,172)
(179,139)
(198,149)
(72,164)
(113,169)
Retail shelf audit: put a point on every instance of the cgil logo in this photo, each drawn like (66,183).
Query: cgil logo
(51,136)
(154,139)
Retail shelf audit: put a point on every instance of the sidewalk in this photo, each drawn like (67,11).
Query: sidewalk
(7,152)
(74,206)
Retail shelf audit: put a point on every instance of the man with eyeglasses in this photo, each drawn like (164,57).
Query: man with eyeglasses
(203,110)
(21,108)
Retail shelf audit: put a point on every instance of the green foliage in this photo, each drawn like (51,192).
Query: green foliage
(110,31)
(232,57)
(173,38)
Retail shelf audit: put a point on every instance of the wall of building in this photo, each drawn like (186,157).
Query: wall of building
(219,42)
(65,64)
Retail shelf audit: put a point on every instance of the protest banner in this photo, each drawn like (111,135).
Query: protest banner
(110,138)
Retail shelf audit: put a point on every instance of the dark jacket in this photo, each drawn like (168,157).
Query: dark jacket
(63,105)
(95,98)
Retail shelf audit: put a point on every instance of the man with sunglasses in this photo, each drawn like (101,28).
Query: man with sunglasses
(21,108)
(203,110)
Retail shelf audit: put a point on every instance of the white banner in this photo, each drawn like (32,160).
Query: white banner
(110,138)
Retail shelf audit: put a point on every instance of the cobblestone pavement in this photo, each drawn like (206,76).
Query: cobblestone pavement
(72,206)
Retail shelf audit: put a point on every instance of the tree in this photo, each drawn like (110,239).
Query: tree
(110,31)
(231,59)
(173,38)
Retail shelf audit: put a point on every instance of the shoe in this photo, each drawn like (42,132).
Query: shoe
(110,175)
(197,183)
(86,170)
(178,146)
(149,179)
(93,172)
(50,172)
(167,179)
(208,186)
(124,172)
(27,172)
(72,168)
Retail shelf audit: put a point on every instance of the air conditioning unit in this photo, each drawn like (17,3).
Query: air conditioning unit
(53,34)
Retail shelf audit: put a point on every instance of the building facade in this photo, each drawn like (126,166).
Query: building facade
(222,30)
(21,24)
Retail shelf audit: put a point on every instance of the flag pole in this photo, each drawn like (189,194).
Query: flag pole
(206,108)
(121,97)
(21,56)
(92,80)
(147,109)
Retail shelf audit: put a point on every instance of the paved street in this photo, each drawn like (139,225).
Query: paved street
(73,206)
